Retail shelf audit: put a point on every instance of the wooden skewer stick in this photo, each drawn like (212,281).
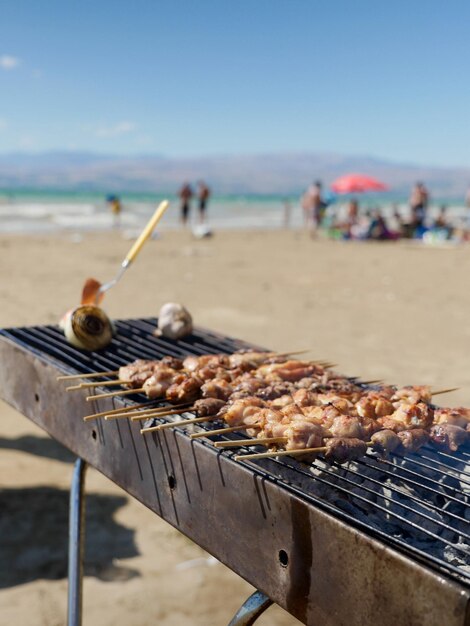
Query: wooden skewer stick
(436,393)
(194,420)
(114,394)
(176,411)
(220,431)
(118,416)
(370,382)
(187,406)
(267,455)
(105,383)
(92,375)
(120,410)
(292,353)
(238,443)
(149,414)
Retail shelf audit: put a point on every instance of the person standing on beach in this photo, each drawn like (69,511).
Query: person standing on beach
(185,195)
(203,195)
(419,200)
(314,207)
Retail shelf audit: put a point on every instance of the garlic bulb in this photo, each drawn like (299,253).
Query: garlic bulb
(88,327)
(174,321)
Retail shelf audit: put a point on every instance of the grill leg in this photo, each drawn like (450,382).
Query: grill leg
(76,543)
(249,612)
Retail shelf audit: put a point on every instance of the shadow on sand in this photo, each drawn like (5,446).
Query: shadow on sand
(34,535)
(40,446)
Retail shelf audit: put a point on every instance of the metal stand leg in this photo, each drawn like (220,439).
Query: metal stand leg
(76,537)
(249,612)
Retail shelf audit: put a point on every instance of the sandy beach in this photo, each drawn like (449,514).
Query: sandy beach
(394,311)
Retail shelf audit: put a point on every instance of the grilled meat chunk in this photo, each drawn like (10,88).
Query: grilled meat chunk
(342,449)
(248,360)
(217,388)
(385,441)
(173,362)
(409,416)
(237,412)
(449,436)
(208,406)
(157,385)
(136,373)
(412,440)
(249,384)
(275,390)
(345,426)
(374,405)
(301,434)
(193,363)
(290,371)
(413,394)
(304,397)
(185,391)
(457,417)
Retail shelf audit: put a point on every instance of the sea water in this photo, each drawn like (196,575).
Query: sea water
(32,211)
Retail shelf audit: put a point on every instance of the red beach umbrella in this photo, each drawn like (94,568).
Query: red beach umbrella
(357,183)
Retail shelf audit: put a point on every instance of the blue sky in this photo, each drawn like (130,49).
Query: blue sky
(189,78)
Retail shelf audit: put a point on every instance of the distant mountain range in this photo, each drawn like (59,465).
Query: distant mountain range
(286,173)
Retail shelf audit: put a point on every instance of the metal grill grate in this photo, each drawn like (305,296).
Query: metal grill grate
(417,503)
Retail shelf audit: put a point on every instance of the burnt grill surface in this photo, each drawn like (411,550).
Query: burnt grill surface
(418,504)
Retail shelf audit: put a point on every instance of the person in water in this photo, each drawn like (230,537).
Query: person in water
(116,210)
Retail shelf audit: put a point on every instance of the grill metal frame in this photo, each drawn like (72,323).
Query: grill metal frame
(339,570)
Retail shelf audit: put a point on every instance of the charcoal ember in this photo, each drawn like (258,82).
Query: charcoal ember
(454,557)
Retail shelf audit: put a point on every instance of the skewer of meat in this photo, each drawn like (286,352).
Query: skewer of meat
(193,420)
(335,449)
(345,449)
(297,432)
(292,371)
(179,386)
(206,409)
(135,373)
(274,416)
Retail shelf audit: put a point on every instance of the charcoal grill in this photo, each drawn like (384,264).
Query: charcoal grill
(375,542)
